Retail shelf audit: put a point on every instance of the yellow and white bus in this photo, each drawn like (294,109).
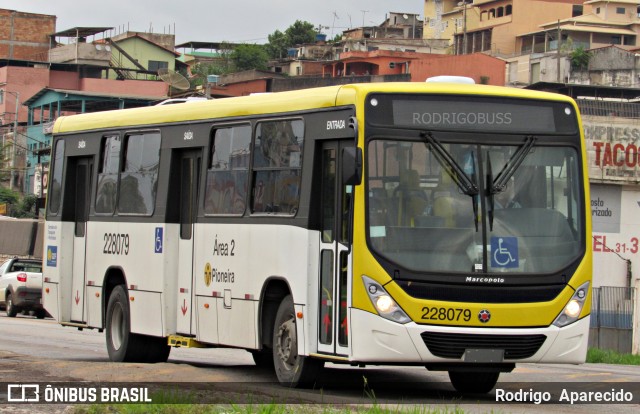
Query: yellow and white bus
(438,224)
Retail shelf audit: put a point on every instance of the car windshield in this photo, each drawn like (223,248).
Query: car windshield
(437,206)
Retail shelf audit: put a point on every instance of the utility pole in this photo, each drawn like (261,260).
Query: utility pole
(464,27)
(559,78)
(15,134)
(15,138)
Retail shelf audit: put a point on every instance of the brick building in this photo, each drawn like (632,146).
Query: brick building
(24,36)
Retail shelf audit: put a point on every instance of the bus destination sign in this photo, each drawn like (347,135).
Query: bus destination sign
(486,116)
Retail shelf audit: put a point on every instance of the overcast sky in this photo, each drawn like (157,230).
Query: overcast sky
(213,20)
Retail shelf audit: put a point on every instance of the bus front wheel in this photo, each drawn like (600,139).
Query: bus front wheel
(122,345)
(473,382)
(292,369)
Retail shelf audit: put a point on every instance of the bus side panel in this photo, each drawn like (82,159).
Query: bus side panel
(312,309)
(58,264)
(169,260)
(241,259)
(233,315)
(207,319)
(146,317)
(129,247)
(93,299)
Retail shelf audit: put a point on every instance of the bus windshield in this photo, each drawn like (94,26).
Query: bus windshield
(436,206)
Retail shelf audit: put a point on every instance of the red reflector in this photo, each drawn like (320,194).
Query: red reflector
(22,277)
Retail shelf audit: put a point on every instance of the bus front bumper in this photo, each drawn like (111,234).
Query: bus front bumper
(375,339)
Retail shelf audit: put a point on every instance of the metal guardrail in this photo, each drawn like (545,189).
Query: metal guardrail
(609,108)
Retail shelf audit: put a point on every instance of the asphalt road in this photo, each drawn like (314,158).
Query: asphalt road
(42,351)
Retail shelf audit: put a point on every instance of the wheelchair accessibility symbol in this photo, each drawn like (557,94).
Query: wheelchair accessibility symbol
(504,252)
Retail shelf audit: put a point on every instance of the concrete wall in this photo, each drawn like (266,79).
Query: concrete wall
(128,87)
(476,66)
(26,237)
(168,41)
(84,53)
(610,66)
(619,340)
(26,82)
(242,88)
(286,84)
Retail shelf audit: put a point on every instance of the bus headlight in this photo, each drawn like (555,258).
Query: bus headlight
(572,310)
(383,302)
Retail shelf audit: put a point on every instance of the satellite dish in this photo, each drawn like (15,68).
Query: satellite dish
(405,16)
(173,79)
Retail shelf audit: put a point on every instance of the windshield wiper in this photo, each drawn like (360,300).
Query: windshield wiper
(465,183)
(502,179)
(457,174)
(499,184)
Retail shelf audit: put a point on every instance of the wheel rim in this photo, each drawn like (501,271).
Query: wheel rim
(9,304)
(117,327)
(287,347)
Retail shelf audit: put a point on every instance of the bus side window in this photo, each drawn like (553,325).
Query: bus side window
(108,175)
(277,162)
(139,176)
(228,170)
(55,194)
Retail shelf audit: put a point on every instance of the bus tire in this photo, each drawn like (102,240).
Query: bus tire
(473,382)
(157,349)
(122,345)
(263,358)
(292,370)
(11,309)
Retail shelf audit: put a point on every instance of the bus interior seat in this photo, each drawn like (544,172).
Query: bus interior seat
(443,200)
(410,199)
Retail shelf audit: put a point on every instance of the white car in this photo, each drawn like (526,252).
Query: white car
(21,287)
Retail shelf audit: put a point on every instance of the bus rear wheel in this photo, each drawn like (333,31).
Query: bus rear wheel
(292,369)
(467,382)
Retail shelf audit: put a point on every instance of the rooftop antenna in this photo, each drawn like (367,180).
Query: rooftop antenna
(174,80)
(363,13)
(335,16)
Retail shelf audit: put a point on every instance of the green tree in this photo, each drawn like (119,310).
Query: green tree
(200,71)
(277,46)
(580,58)
(246,57)
(26,207)
(5,153)
(300,33)
(10,198)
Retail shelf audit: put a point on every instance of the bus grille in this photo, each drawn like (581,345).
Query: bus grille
(446,345)
(481,294)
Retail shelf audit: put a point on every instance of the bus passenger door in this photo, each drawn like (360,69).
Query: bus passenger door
(335,253)
(79,181)
(188,168)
